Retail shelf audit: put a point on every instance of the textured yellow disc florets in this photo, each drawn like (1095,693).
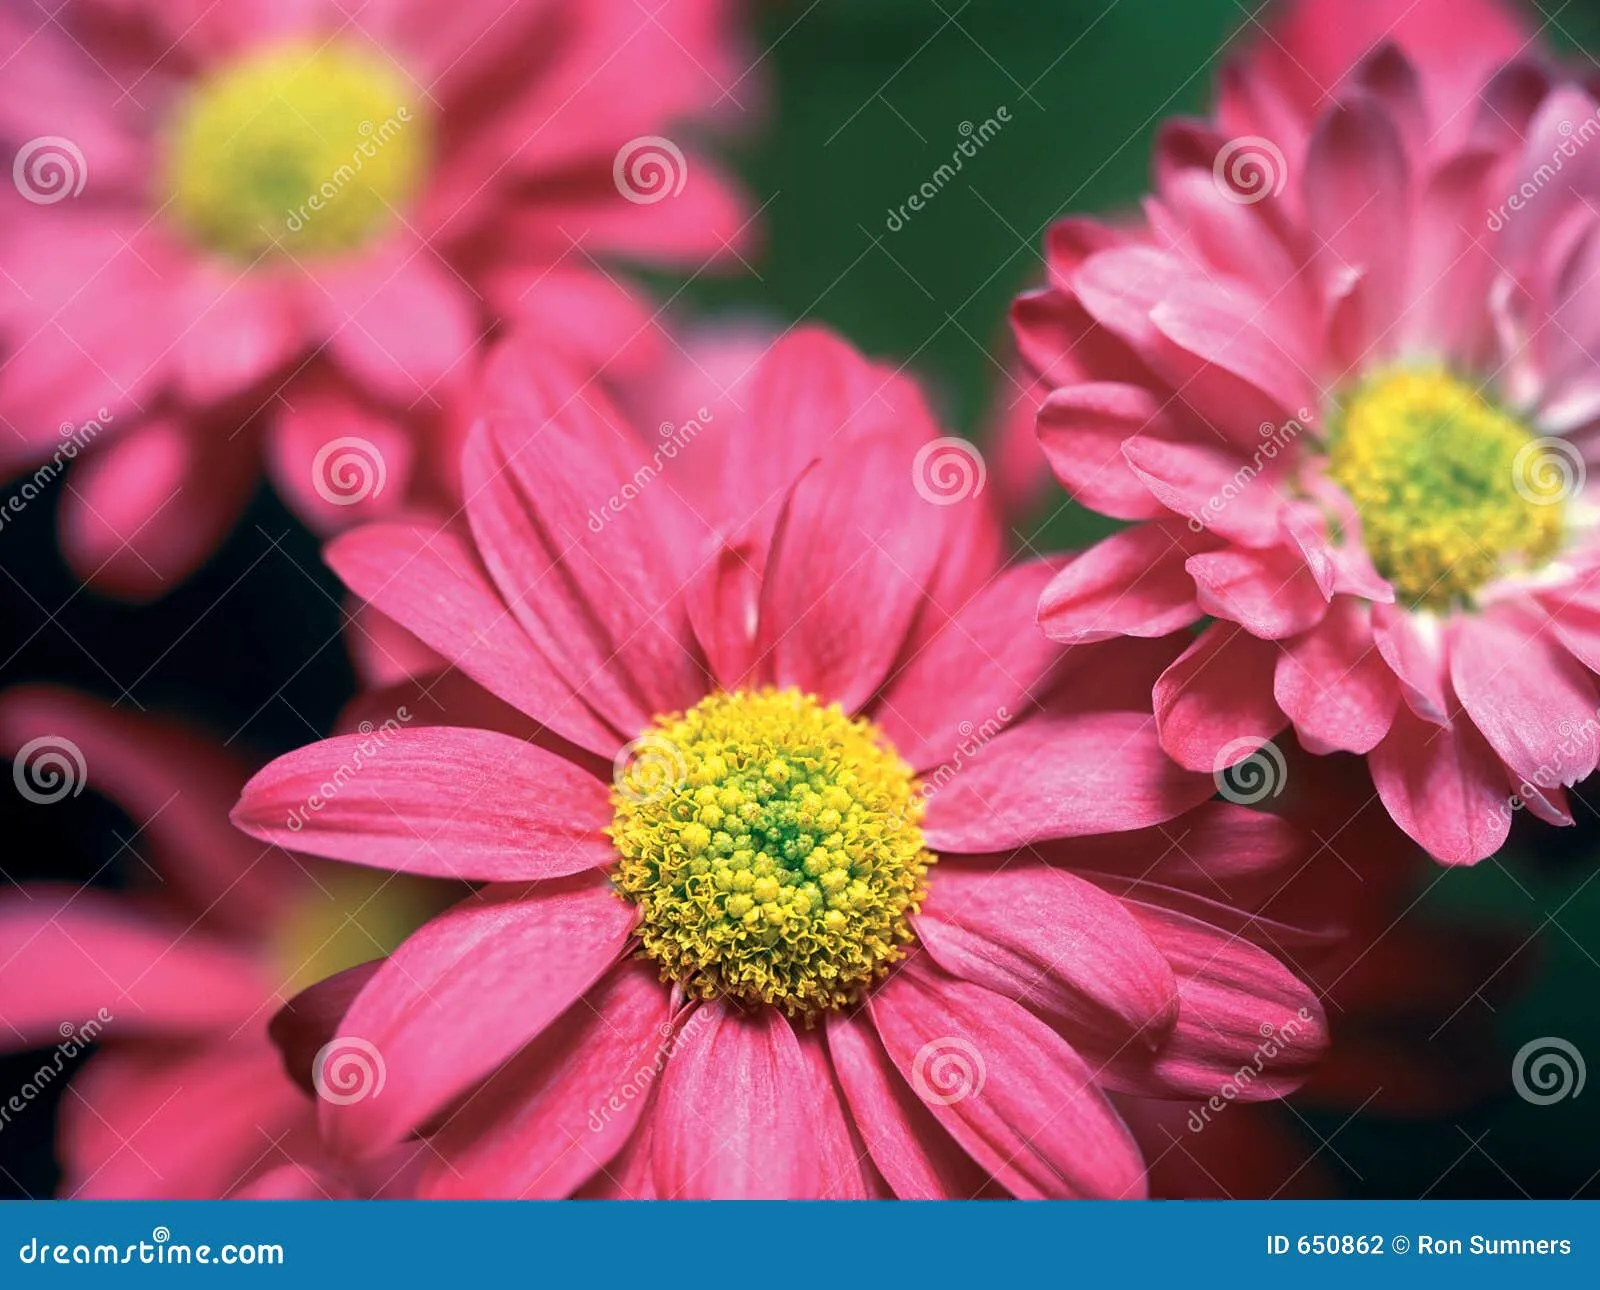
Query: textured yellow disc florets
(1452,491)
(297,148)
(774,847)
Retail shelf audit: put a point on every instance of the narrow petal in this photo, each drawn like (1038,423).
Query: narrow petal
(1133,583)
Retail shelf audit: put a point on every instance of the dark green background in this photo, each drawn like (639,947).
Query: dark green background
(868,97)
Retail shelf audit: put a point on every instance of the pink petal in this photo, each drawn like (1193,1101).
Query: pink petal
(437,800)
(1062,777)
(566,1104)
(845,1162)
(1415,652)
(730,1125)
(1334,684)
(1271,593)
(1215,704)
(1021,1102)
(1214,485)
(465,992)
(1444,786)
(1082,430)
(244,329)
(1133,583)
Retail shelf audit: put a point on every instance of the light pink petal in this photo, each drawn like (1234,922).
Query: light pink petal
(1016,1097)
(730,1125)
(1134,583)
(1215,704)
(1213,484)
(564,1106)
(919,1160)
(1051,941)
(724,603)
(1444,786)
(431,581)
(468,990)
(66,955)
(845,1162)
(1525,693)
(435,800)
(1082,430)
(1271,593)
(1062,777)
(1334,684)
(244,328)
(1415,651)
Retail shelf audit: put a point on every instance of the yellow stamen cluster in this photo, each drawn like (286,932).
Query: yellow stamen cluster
(1443,483)
(301,149)
(774,847)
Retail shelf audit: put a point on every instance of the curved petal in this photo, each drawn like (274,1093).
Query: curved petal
(1134,583)
(1444,786)
(1216,701)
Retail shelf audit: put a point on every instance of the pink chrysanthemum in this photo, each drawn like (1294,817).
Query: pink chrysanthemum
(1350,399)
(303,219)
(793,829)
(187,1097)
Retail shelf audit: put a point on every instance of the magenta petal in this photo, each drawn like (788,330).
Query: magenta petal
(1134,583)
(436,800)
(1083,429)
(845,1161)
(1271,593)
(734,1120)
(1215,704)
(1334,684)
(1062,777)
(1444,786)
(1016,1097)
(465,992)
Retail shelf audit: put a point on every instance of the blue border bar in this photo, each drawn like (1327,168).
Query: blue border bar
(811,1245)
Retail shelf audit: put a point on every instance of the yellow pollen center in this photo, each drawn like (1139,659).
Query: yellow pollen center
(774,847)
(1452,492)
(300,149)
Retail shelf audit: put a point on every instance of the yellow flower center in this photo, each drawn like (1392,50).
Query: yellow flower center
(1452,492)
(774,846)
(299,149)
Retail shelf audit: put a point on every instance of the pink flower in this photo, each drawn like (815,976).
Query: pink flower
(1352,420)
(187,1097)
(297,223)
(809,867)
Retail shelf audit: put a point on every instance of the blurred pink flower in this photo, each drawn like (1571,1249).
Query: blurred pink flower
(735,698)
(187,1097)
(1351,408)
(300,220)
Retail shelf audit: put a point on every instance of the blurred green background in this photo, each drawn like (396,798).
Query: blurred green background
(867,98)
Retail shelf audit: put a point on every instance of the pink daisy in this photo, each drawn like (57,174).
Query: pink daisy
(187,1096)
(810,868)
(1350,404)
(300,221)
